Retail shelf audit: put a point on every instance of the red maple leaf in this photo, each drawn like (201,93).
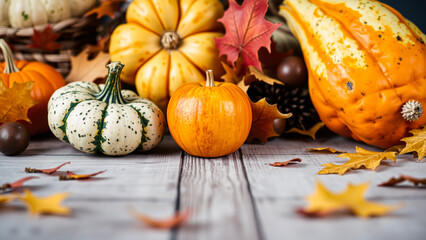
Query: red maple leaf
(45,40)
(246,32)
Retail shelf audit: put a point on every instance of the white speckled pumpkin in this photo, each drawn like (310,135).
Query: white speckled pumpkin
(105,118)
(29,13)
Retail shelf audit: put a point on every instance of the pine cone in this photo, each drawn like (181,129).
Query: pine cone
(294,100)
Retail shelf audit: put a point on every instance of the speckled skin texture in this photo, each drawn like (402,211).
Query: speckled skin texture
(90,125)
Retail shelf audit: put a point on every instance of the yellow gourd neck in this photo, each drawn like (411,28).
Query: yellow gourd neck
(10,66)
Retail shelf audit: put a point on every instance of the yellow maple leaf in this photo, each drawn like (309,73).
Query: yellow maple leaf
(49,204)
(416,143)
(15,101)
(362,157)
(253,74)
(310,132)
(230,74)
(264,115)
(323,202)
(83,69)
(6,198)
(325,150)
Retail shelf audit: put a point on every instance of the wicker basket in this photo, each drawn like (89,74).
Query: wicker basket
(75,34)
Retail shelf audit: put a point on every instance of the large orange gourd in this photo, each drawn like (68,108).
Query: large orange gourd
(209,119)
(367,67)
(166,43)
(46,81)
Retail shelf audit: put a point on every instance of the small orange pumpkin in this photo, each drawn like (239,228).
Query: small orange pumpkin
(46,81)
(209,119)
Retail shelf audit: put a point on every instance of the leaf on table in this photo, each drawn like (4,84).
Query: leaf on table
(15,184)
(230,74)
(264,115)
(45,40)
(396,148)
(246,32)
(107,8)
(362,158)
(178,219)
(416,143)
(46,171)
(45,205)
(253,74)
(324,150)
(323,202)
(310,132)
(6,198)
(83,69)
(282,164)
(73,176)
(15,101)
(393,181)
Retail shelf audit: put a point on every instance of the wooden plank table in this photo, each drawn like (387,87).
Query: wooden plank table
(234,197)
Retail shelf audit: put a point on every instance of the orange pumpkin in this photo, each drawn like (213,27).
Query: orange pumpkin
(46,81)
(209,119)
(367,67)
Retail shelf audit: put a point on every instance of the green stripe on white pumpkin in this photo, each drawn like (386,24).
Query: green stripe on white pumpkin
(105,118)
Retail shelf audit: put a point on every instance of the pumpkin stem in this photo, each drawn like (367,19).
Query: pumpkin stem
(412,110)
(170,40)
(112,90)
(209,78)
(10,66)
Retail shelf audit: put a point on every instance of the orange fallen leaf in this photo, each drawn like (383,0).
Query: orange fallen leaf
(101,46)
(368,159)
(15,184)
(253,74)
(107,8)
(45,205)
(15,101)
(45,40)
(325,150)
(264,115)
(416,143)
(83,69)
(46,171)
(178,219)
(73,176)
(310,132)
(230,74)
(6,198)
(393,181)
(282,164)
(323,202)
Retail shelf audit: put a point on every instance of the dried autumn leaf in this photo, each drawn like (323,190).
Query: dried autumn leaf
(323,202)
(15,101)
(396,148)
(46,171)
(253,74)
(416,143)
(45,40)
(83,69)
(393,181)
(107,8)
(310,132)
(15,184)
(264,115)
(101,46)
(362,157)
(282,164)
(230,74)
(73,176)
(45,205)
(6,198)
(325,150)
(246,32)
(178,219)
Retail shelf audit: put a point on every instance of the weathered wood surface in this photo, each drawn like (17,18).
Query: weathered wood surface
(235,197)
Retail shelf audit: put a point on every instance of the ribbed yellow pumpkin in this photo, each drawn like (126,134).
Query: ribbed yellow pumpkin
(367,67)
(166,43)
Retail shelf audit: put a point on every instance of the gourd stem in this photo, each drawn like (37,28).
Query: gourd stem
(10,66)
(112,90)
(209,78)
(170,40)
